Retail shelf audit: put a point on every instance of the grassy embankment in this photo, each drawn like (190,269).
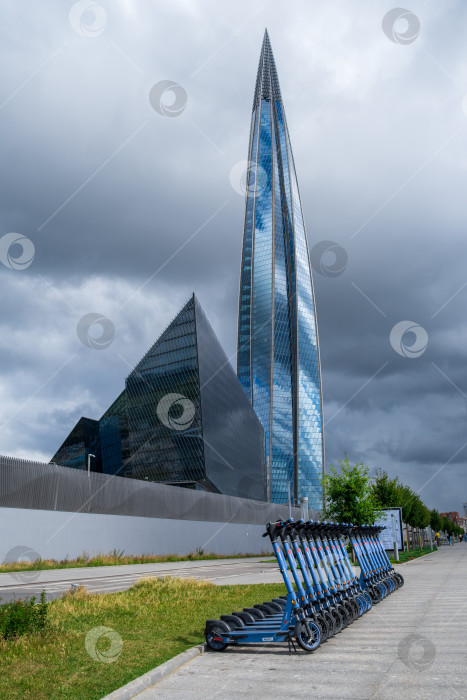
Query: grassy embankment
(413,554)
(150,623)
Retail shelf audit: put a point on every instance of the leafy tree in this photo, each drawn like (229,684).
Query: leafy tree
(446,525)
(435,520)
(386,490)
(421,514)
(407,501)
(348,494)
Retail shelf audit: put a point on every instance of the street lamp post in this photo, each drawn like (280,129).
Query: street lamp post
(394,537)
(89,479)
(89,463)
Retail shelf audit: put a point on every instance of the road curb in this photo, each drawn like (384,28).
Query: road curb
(133,688)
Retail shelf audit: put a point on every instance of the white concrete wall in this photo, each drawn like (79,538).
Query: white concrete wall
(57,534)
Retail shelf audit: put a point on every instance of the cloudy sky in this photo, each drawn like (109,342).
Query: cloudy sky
(124,205)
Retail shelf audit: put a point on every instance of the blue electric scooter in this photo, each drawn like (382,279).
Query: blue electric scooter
(270,624)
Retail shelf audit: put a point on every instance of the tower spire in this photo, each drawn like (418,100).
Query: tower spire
(278,354)
(267,82)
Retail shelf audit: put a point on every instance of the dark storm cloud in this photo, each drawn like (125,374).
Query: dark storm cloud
(114,195)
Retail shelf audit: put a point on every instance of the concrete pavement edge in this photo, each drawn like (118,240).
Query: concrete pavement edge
(133,688)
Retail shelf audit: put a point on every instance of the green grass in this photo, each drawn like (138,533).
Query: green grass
(155,620)
(115,558)
(413,554)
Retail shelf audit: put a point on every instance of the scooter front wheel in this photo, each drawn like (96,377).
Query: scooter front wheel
(376,595)
(337,619)
(322,624)
(345,616)
(368,599)
(330,623)
(308,641)
(357,606)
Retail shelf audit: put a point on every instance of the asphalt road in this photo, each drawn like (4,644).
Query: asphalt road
(412,645)
(107,579)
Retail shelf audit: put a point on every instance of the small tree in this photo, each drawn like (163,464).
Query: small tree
(348,494)
(446,525)
(406,501)
(435,520)
(386,490)
(420,514)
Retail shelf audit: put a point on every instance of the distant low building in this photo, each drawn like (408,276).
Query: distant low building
(452,515)
(458,520)
(182,419)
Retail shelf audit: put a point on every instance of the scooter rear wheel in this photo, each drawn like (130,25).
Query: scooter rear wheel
(308,642)
(215,637)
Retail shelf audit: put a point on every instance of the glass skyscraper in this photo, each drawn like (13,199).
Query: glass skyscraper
(278,355)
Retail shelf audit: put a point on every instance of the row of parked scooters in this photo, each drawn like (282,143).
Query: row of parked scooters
(323,596)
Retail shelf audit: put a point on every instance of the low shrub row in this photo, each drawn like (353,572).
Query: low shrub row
(21,616)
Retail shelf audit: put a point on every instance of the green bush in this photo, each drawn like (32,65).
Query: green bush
(19,617)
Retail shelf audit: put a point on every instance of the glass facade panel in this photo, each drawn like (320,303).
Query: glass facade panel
(233,436)
(113,432)
(159,451)
(278,364)
(83,440)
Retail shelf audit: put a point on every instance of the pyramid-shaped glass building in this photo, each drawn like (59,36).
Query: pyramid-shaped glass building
(183,418)
(278,355)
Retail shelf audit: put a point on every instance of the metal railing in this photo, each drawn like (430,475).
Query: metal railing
(37,485)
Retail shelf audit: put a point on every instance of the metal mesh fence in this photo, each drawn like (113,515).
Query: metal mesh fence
(36,485)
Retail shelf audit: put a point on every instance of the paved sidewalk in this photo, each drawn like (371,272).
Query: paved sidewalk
(412,645)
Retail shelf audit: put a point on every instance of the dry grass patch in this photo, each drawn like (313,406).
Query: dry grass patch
(115,558)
